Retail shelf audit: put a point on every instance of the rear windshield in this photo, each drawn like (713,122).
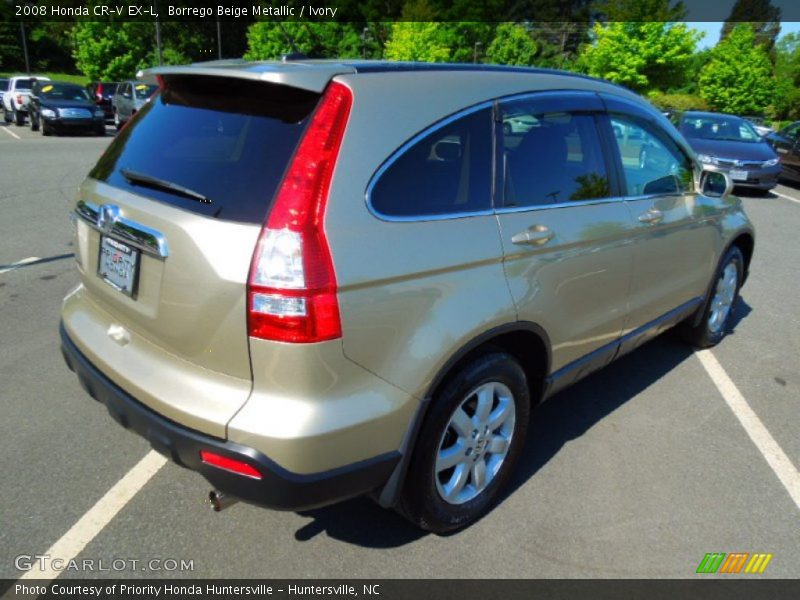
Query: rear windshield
(225,139)
(23,84)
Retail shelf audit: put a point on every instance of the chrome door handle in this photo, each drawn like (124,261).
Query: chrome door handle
(651,217)
(535,236)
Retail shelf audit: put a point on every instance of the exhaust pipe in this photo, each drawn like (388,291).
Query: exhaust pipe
(220,501)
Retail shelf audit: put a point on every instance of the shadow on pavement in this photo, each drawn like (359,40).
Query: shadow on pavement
(564,417)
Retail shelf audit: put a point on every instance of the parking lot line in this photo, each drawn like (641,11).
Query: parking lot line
(786,197)
(93,522)
(11,133)
(18,264)
(774,455)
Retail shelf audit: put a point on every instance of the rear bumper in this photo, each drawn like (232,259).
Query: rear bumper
(278,488)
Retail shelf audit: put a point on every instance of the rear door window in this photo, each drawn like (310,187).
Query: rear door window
(550,157)
(446,172)
(224,139)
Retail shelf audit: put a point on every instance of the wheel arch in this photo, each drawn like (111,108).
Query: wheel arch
(526,341)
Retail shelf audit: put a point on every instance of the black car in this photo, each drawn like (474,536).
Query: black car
(58,107)
(102,92)
(729,144)
(787,144)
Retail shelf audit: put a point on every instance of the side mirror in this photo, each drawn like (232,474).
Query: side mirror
(715,184)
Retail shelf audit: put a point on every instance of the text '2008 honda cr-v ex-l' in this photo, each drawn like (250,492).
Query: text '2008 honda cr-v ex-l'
(312,280)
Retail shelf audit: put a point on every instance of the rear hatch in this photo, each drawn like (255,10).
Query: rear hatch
(168,221)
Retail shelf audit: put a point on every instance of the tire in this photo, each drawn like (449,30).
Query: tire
(720,303)
(45,129)
(34,122)
(7,116)
(117,122)
(497,378)
(100,131)
(19,118)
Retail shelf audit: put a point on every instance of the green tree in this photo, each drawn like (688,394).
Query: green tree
(640,55)
(764,18)
(738,78)
(424,41)
(512,45)
(641,10)
(270,40)
(786,102)
(111,50)
(558,27)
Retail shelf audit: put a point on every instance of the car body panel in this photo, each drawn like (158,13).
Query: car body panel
(787,144)
(413,293)
(17,98)
(436,287)
(190,306)
(69,114)
(744,161)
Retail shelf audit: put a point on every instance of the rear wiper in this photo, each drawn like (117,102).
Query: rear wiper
(162,184)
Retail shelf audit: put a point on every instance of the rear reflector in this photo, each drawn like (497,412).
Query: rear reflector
(292,284)
(229,464)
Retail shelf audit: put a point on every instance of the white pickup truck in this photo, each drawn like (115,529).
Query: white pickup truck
(15,100)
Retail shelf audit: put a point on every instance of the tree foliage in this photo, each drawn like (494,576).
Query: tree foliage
(738,78)
(640,55)
(111,51)
(641,10)
(270,40)
(764,18)
(512,45)
(786,104)
(425,41)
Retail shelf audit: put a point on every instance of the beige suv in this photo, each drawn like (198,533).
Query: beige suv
(313,280)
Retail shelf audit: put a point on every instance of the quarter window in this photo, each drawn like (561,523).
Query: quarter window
(652,164)
(550,157)
(446,172)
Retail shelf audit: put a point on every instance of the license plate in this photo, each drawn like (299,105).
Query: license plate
(118,265)
(738,175)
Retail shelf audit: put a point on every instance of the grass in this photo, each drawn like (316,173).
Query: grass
(79,79)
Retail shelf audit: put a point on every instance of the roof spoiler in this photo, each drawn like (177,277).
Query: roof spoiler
(311,76)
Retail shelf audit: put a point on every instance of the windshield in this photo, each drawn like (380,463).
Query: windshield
(722,128)
(63,91)
(144,91)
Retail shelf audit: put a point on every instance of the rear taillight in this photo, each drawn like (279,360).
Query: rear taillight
(19,98)
(99,92)
(292,286)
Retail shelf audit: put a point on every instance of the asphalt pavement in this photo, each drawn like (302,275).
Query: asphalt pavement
(638,471)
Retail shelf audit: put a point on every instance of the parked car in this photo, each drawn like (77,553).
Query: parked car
(787,144)
(102,93)
(60,107)
(227,314)
(730,144)
(129,97)
(3,90)
(15,100)
(760,125)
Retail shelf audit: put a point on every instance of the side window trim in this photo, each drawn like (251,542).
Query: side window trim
(410,143)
